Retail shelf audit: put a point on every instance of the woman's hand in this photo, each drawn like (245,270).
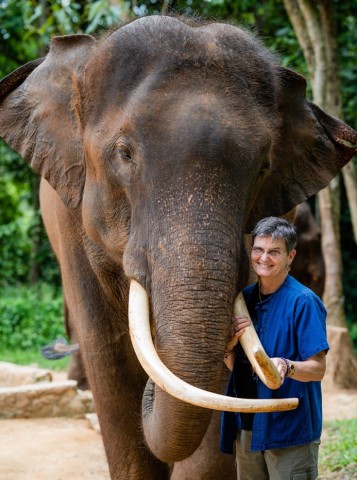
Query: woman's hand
(237,328)
(281,367)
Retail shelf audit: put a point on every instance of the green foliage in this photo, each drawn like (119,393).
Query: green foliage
(348,53)
(30,317)
(339,449)
(27,26)
(104,14)
(16,217)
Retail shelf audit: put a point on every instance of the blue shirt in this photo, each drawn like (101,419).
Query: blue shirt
(291,323)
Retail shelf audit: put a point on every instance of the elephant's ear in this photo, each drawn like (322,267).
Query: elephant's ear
(309,149)
(40,115)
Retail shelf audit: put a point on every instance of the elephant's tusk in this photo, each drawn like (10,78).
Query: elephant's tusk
(139,324)
(263,366)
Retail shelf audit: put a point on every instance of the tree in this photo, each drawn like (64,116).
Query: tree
(315,27)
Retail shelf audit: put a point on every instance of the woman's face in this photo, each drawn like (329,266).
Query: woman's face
(270,258)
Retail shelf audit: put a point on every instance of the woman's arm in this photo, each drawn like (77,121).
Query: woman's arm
(310,370)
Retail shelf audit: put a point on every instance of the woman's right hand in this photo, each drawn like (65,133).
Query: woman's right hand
(237,328)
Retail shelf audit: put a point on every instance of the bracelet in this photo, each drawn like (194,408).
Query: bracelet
(287,366)
(290,369)
(227,353)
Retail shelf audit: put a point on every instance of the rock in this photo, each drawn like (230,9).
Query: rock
(45,399)
(11,374)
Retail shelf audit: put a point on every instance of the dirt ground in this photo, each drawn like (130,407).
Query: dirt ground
(69,449)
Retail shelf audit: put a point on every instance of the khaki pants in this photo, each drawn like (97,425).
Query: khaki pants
(292,463)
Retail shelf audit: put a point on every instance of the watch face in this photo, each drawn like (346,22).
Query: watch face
(292,369)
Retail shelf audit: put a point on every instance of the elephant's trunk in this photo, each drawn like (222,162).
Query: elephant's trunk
(192,310)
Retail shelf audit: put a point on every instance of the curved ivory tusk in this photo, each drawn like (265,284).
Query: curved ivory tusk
(139,324)
(263,366)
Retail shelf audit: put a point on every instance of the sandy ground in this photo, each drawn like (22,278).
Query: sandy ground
(56,449)
(68,449)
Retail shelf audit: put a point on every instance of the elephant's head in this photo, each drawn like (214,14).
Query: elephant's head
(173,140)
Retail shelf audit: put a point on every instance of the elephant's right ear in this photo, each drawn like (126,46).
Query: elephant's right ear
(40,115)
(310,147)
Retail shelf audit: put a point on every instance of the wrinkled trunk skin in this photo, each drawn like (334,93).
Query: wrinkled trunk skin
(207,462)
(193,292)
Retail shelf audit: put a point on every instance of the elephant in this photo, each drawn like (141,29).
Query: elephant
(159,146)
(308,266)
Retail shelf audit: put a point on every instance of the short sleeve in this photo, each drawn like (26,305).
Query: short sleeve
(310,326)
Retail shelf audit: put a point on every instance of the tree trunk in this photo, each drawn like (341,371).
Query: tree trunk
(313,22)
(333,291)
(341,365)
(350,180)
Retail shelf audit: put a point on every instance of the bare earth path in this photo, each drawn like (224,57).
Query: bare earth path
(68,449)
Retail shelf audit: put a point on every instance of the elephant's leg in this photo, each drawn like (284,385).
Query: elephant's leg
(114,374)
(117,395)
(76,370)
(207,462)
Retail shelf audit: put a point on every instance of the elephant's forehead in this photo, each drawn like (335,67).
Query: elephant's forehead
(172,115)
(156,35)
(215,54)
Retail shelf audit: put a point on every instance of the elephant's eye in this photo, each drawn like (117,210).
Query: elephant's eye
(124,150)
(125,153)
(122,160)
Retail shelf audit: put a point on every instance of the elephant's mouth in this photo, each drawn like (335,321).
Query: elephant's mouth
(140,333)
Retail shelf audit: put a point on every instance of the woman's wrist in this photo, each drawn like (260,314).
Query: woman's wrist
(228,353)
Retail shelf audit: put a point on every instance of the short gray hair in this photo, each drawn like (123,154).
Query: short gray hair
(275,228)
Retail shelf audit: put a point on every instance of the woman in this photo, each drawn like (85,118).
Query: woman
(291,323)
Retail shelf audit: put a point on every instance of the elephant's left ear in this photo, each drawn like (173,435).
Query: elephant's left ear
(308,150)
(40,115)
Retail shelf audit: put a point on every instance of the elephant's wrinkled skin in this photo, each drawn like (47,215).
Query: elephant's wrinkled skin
(161,145)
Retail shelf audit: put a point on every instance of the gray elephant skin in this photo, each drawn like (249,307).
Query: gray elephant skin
(159,146)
